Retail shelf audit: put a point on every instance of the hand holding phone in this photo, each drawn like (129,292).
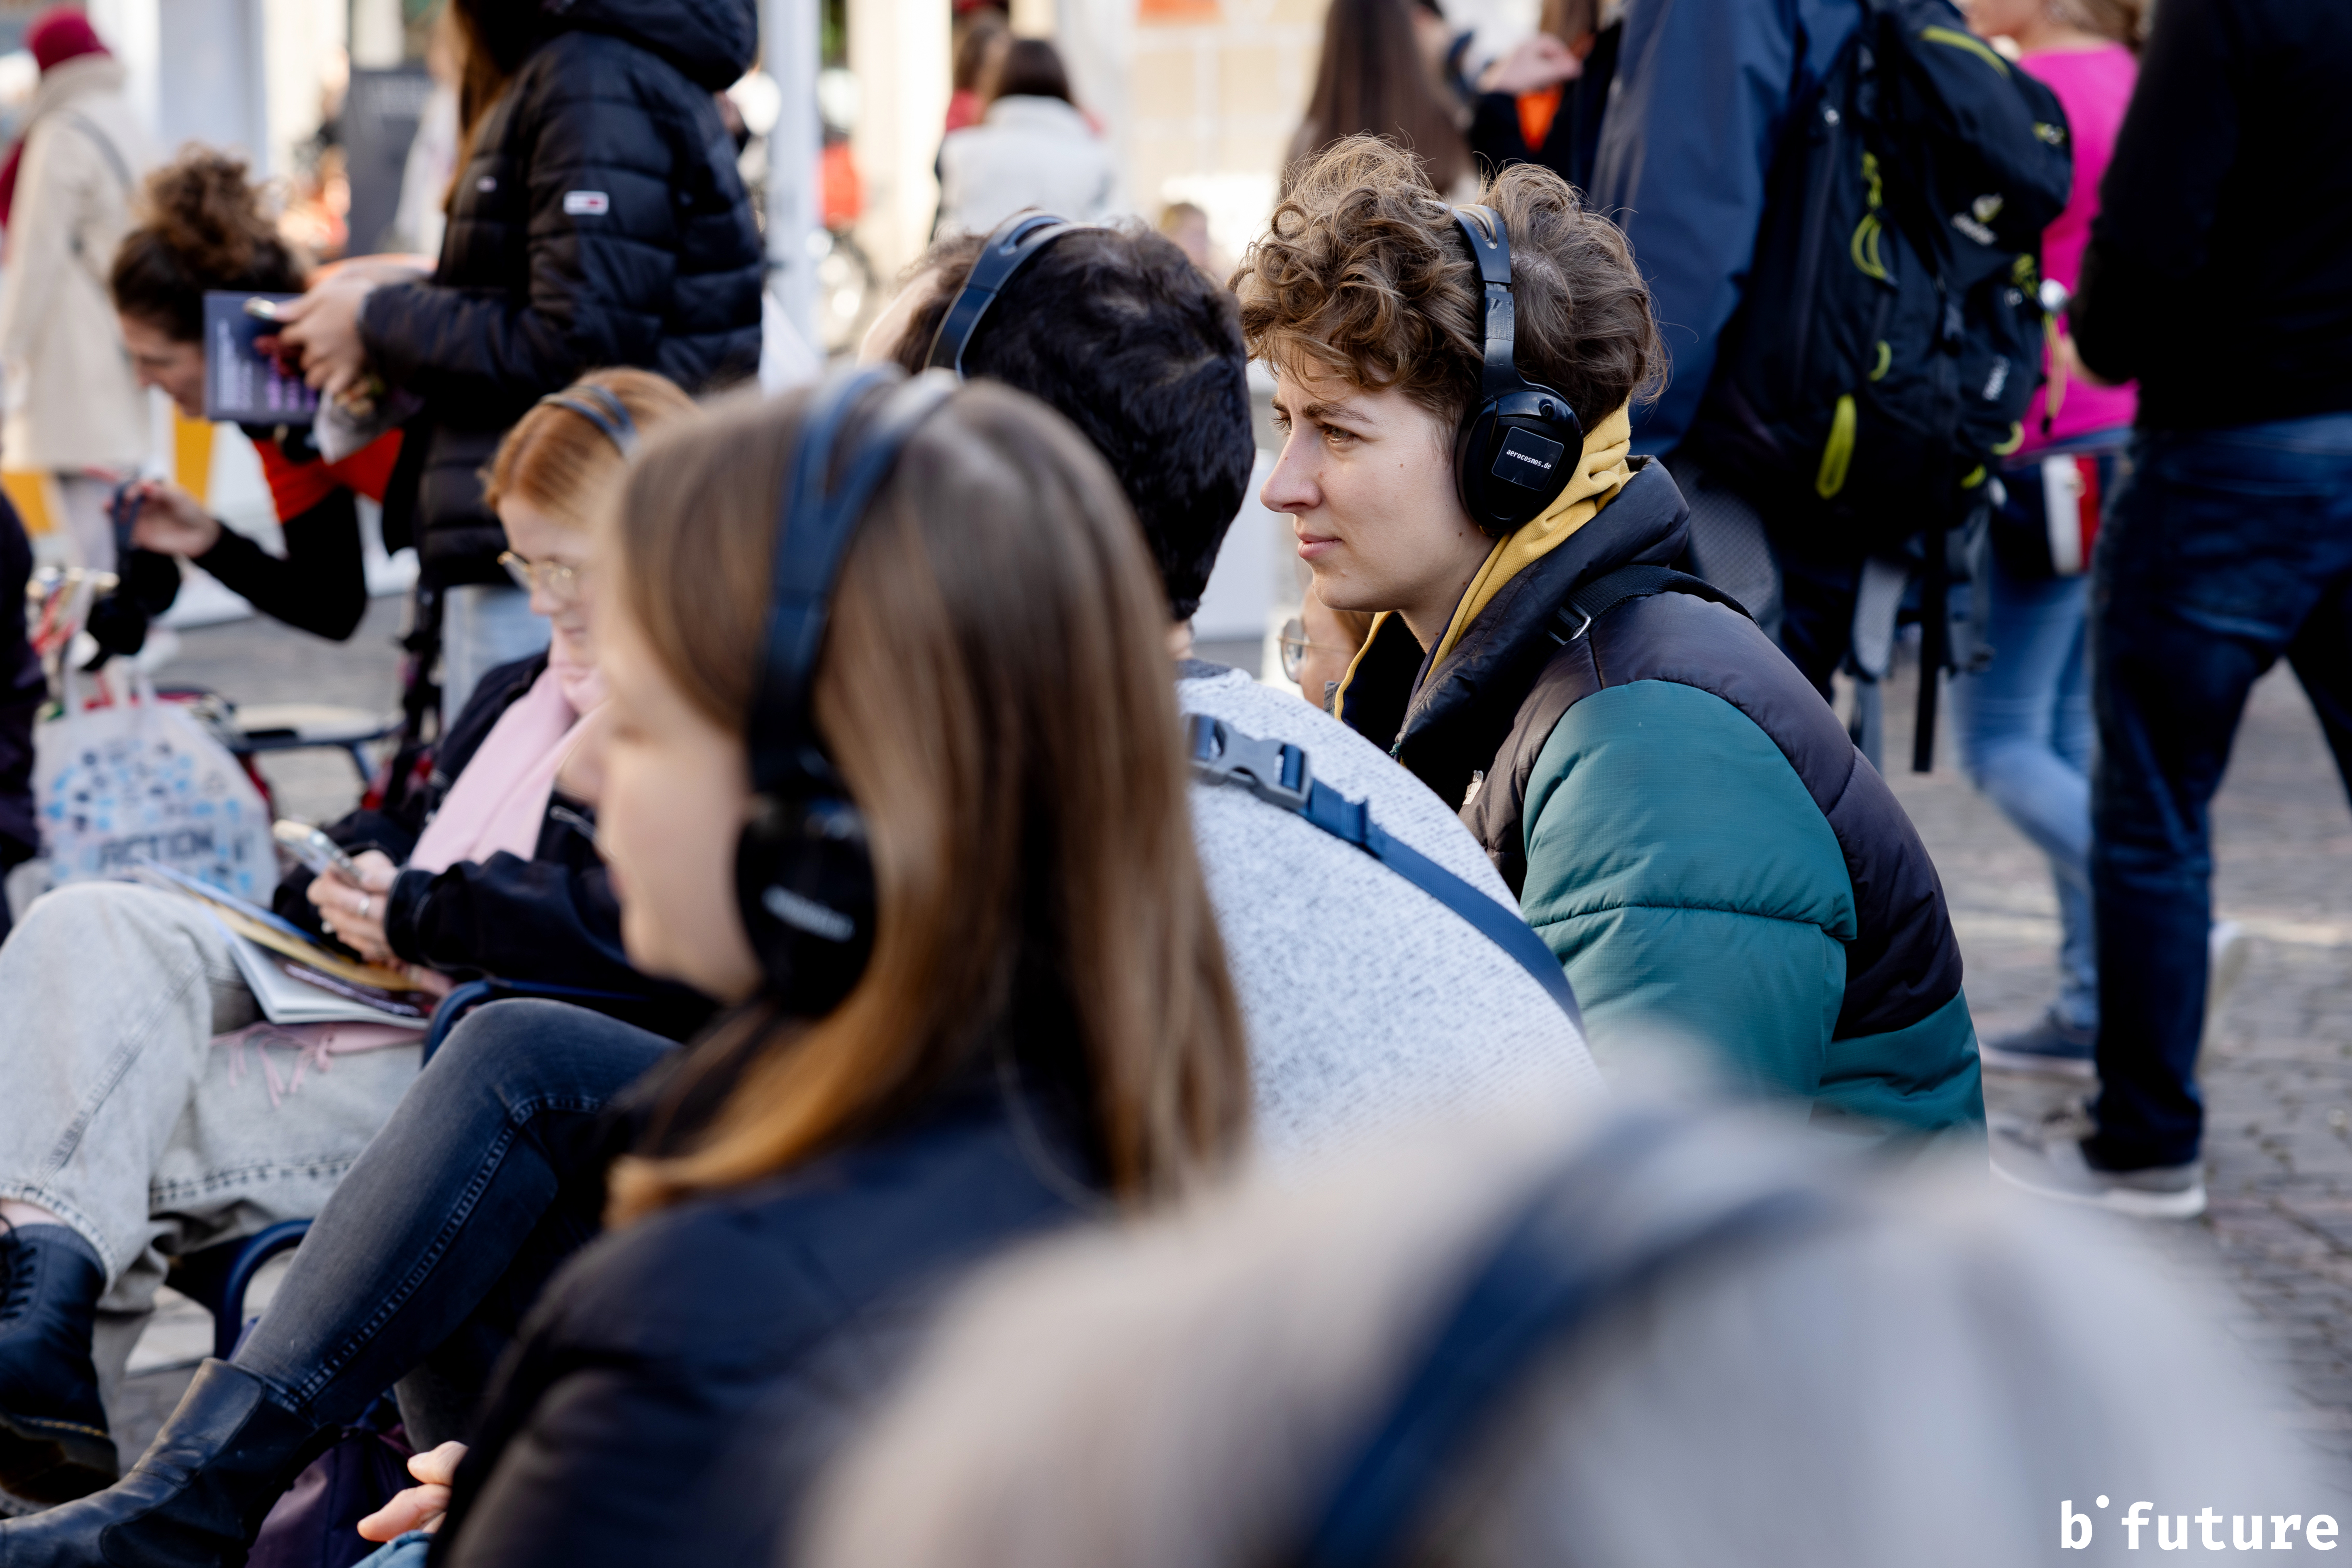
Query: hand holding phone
(315,850)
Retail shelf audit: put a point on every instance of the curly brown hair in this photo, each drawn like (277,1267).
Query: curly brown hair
(1362,274)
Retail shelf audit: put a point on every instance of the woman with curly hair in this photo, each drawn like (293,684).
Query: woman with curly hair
(1683,817)
(204,226)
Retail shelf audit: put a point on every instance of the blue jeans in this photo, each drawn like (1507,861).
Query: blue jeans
(488,1175)
(2223,551)
(2024,730)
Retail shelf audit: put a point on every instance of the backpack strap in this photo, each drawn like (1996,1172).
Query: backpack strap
(1588,1238)
(1277,773)
(1589,601)
(106,147)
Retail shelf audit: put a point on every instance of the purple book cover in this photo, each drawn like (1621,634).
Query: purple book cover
(242,385)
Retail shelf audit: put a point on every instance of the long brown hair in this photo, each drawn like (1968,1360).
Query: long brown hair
(1373,80)
(491,39)
(995,691)
(201,225)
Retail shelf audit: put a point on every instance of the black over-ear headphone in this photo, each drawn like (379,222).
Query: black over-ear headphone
(602,407)
(1518,443)
(1008,248)
(803,883)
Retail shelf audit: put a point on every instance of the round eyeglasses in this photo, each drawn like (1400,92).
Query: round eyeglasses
(553,578)
(1294,645)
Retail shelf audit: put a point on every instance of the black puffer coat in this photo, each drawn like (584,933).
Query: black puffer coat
(599,221)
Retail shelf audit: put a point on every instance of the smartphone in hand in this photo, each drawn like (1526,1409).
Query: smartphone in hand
(315,850)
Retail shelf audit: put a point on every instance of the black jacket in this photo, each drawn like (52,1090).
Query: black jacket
(2220,269)
(23,690)
(599,221)
(680,1380)
(552,918)
(1498,139)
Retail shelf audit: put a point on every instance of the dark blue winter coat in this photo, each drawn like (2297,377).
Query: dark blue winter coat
(1702,91)
(682,1378)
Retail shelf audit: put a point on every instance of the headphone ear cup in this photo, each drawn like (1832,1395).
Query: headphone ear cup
(1471,480)
(804,888)
(1514,455)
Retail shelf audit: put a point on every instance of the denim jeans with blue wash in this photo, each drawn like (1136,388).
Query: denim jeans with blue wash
(2223,551)
(2023,723)
(488,1175)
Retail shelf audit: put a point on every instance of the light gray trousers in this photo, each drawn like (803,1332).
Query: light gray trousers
(119,1114)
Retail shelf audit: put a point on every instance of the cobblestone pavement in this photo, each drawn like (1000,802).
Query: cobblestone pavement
(2278,1075)
(2277,1070)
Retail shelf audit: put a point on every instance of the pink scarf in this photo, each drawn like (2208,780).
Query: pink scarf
(499,800)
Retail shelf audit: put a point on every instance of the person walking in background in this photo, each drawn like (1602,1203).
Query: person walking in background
(980,33)
(1378,77)
(1541,102)
(1031,148)
(2229,543)
(2023,722)
(597,219)
(74,409)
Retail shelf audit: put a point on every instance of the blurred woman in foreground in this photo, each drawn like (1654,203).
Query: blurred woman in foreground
(1658,1337)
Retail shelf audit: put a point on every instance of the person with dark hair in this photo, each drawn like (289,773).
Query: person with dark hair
(1356,987)
(1031,148)
(597,219)
(202,228)
(1681,815)
(1374,78)
(2230,545)
(65,194)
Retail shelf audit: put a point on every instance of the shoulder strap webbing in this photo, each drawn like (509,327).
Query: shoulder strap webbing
(1592,601)
(1277,773)
(106,147)
(1586,1239)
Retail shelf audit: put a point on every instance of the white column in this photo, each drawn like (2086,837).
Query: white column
(131,28)
(899,49)
(789,54)
(378,40)
(1096,39)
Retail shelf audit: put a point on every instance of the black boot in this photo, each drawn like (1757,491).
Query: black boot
(195,1499)
(53,1439)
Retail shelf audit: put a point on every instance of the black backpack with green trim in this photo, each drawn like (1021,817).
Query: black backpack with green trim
(1892,330)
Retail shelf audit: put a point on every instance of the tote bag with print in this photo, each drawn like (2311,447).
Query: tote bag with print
(142,779)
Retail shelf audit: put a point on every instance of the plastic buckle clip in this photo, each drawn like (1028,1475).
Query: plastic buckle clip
(1275,771)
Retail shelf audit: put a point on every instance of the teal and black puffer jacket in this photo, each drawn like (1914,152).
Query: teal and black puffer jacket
(1691,829)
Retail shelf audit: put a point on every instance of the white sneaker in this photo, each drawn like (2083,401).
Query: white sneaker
(2057,1169)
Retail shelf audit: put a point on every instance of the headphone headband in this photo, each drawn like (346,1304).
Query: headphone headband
(1490,247)
(603,408)
(812,534)
(1009,247)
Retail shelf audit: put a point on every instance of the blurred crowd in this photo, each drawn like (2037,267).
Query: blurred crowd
(834,1037)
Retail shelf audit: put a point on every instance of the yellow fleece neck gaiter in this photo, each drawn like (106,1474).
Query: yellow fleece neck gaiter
(1600,472)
